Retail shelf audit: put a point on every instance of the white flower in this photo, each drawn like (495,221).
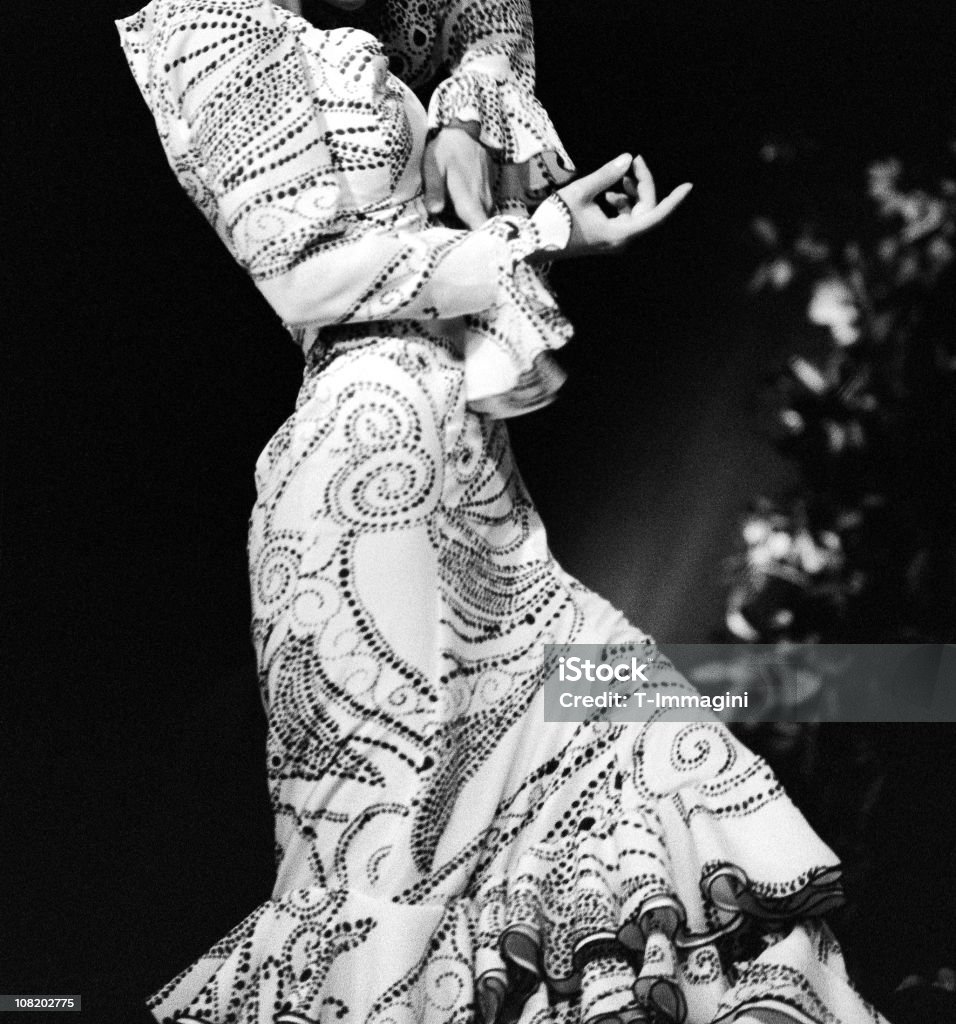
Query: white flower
(780,272)
(760,557)
(755,531)
(792,421)
(740,627)
(844,332)
(836,435)
(779,544)
(811,558)
(808,375)
(833,306)
(882,183)
(883,172)
(910,208)
(930,216)
(831,300)
(830,540)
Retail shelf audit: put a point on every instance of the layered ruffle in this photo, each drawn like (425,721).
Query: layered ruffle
(318,954)
(662,874)
(509,369)
(637,914)
(513,123)
(599,921)
(507,348)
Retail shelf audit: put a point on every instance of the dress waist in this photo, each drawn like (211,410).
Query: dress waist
(504,354)
(409,215)
(339,338)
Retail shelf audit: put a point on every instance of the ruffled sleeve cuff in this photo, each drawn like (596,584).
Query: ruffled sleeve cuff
(509,369)
(512,122)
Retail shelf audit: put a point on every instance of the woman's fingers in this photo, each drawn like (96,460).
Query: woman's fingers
(613,205)
(642,219)
(644,184)
(469,181)
(604,178)
(434,182)
(670,203)
(469,211)
(471,200)
(617,201)
(457,177)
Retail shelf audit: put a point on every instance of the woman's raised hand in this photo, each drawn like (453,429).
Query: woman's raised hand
(630,207)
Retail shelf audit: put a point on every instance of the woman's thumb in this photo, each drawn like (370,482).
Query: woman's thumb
(605,177)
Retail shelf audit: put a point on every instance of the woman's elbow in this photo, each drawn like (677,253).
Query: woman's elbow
(294,305)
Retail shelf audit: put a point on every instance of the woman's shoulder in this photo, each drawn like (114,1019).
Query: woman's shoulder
(174,44)
(237,18)
(184,53)
(279,132)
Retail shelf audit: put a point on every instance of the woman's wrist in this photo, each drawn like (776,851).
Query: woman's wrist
(472,128)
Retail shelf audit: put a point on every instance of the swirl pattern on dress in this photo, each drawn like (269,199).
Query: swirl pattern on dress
(502,865)
(435,837)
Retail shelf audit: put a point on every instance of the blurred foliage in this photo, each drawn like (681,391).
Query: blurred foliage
(863,548)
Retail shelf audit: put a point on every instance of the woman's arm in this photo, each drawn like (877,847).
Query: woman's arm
(244,126)
(487,46)
(439,272)
(400,275)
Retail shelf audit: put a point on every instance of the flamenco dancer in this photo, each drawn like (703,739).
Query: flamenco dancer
(444,854)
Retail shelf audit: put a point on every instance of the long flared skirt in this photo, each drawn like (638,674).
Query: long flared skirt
(444,854)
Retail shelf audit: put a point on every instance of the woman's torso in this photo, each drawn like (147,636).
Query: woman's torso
(260,111)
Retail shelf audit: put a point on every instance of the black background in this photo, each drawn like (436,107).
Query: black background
(143,375)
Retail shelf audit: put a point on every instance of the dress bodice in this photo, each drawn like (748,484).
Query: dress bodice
(325,136)
(304,153)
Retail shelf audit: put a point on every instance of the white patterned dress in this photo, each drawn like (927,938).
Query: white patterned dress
(444,854)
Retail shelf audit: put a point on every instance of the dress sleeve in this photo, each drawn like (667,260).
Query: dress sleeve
(240,115)
(437,273)
(233,104)
(244,110)
(488,45)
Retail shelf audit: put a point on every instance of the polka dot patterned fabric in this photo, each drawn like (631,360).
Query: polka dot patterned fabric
(444,855)
(304,154)
(489,44)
